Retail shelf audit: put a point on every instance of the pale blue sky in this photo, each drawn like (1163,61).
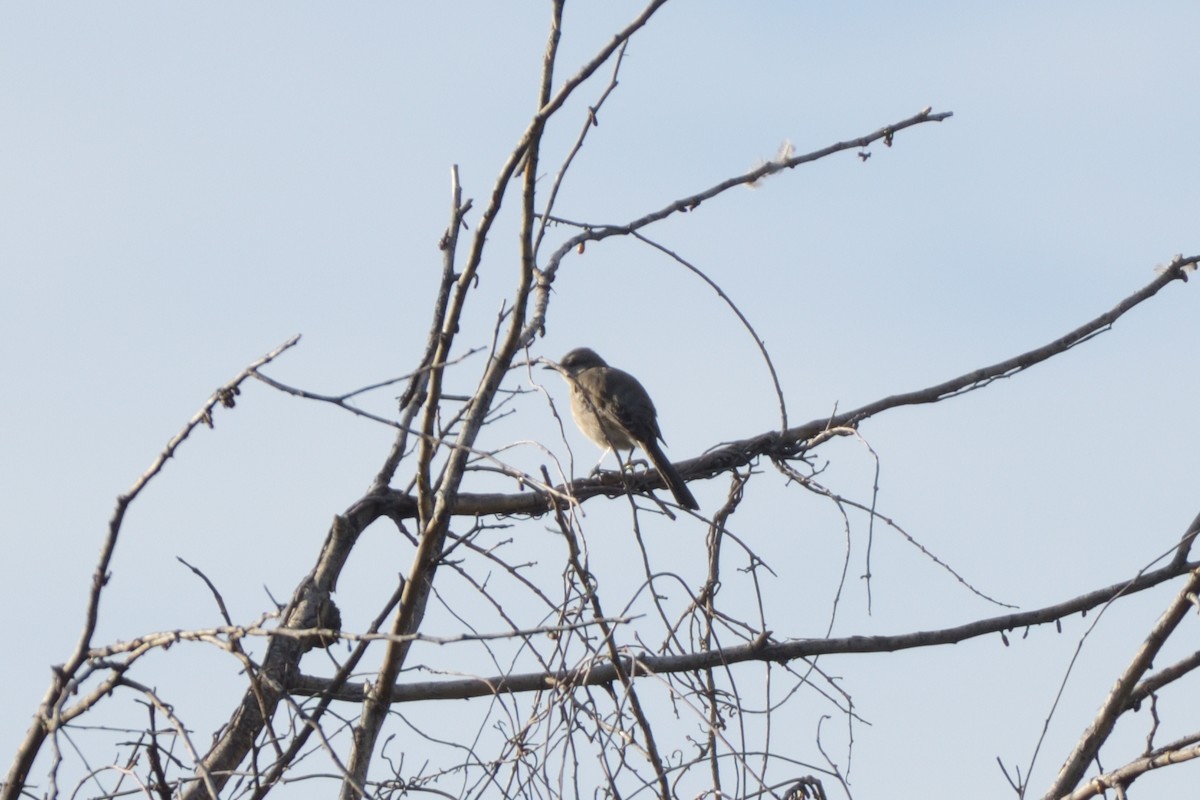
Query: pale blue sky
(184,186)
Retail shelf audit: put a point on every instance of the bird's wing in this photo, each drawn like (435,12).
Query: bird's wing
(627,401)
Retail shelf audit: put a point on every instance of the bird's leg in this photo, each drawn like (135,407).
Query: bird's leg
(596,469)
(631,462)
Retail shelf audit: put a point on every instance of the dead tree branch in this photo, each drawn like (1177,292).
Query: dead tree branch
(762,649)
(63,685)
(1119,696)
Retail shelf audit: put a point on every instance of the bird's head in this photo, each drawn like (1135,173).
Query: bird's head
(578,360)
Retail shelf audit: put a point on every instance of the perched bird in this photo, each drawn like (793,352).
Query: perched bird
(614,410)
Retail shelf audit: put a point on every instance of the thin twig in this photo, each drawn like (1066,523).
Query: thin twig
(64,675)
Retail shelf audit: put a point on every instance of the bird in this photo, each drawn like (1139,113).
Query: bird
(614,410)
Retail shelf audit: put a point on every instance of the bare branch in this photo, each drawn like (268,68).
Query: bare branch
(760,650)
(1118,698)
(45,719)
(594,232)
(1185,750)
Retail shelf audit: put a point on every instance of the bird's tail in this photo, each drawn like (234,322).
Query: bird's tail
(670,475)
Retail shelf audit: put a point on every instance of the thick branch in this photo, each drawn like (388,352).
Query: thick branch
(1118,697)
(283,653)
(1121,778)
(793,441)
(762,650)
(436,503)
(1163,677)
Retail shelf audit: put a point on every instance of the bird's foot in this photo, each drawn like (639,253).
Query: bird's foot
(598,471)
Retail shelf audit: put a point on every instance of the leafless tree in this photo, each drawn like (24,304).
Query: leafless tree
(668,689)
